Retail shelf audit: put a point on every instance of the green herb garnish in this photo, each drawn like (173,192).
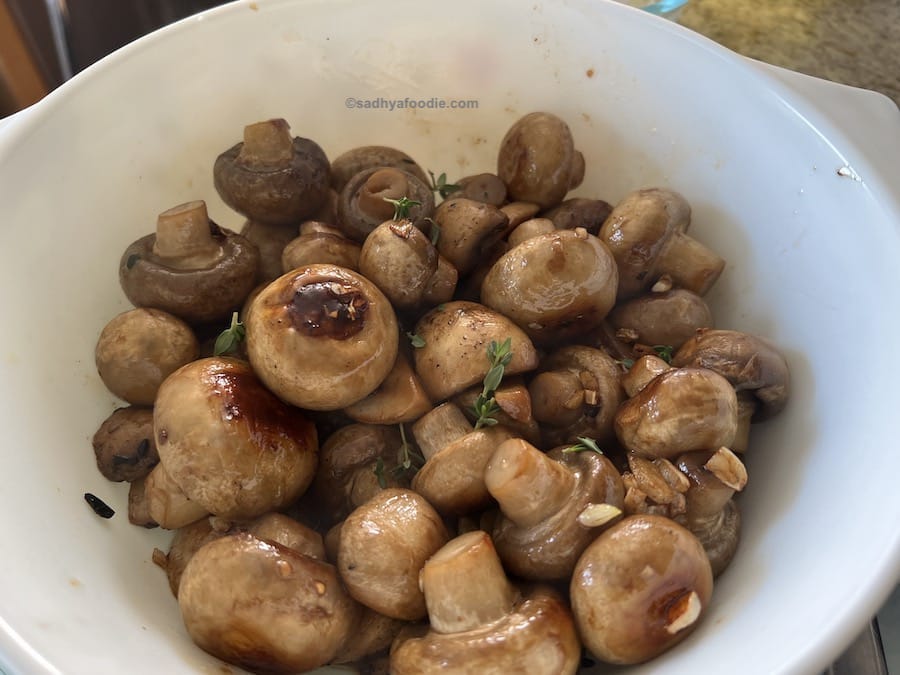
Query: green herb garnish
(486,406)
(407,458)
(626,363)
(228,340)
(664,352)
(441,186)
(379,473)
(584,444)
(416,341)
(402,206)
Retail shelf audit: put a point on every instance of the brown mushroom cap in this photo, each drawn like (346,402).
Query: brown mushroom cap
(646,234)
(579,212)
(457,335)
(185,543)
(399,259)
(468,229)
(281,529)
(365,157)
(229,443)
(750,363)
(383,546)
(272,178)
(669,318)
(190,267)
(538,161)
(263,606)
(319,245)
(554,286)
(680,410)
(399,398)
(124,446)
(138,349)
(483,187)
(322,337)
(362,206)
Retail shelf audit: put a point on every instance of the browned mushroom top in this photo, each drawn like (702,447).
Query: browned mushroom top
(667,318)
(363,205)
(351,162)
(124,445)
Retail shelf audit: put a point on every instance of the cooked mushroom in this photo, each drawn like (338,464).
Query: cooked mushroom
(270,240)
(486,188)
(138,507)
(399,398)
(456,454)
(124,446)
(281,529)
(576,393)
(322,337)
(383,546)
(138,349)
(641,372)
(185,543)
(271,177)
(555,286)
(646,233)
(229,443)
(263,606)
(654,486)
(189,267)
(319,243)
(514,401)
(456,336)
(372,635)
(467,229)
(538,161)
(363,205)
(750,363)
(552,506)
(530,228)
(680,410)
(579,212)
(641,587)
(347,165)
(167,504)
(481,623)
(668,318)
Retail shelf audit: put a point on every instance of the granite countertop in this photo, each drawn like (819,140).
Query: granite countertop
(854,42)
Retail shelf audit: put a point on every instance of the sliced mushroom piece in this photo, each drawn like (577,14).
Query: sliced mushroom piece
(456,336)
(749,362)
(538,161)
(138,349)
(322,337)
(399,398)
(546,503)
(646,233)
(456,454)
(579,212)
(363,205)
(670,318)
(229,443)
(680,410)
(481,623)
(486,188)
(189,267)
(263,606)
(350,163)
(124,446)
(270,240)
(384,545)
(576,393)
(320,243)
(555,286)
(467,229)
(654,486)
(640,588)
(271,177)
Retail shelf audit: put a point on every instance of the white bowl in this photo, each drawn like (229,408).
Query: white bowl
(793,181)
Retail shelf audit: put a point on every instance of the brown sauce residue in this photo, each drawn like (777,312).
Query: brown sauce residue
(328,309)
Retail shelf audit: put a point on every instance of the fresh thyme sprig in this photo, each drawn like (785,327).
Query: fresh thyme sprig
(584,444)
(229,339)
(402,206)
(407,460)
(441,186)
(486,406)
(665,352)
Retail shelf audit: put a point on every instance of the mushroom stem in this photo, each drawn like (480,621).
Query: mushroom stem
(528,485)
(267,145)
(557,397)
(465,586)
(381,185)
(438,428)
(183,236)
(747,407)
(690,264)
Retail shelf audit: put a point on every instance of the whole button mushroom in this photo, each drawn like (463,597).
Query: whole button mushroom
(668,318)
(189,267)
(552,506)
(271,177)
(185,543)
(579,212)
(646,233)
(124,446)
(399,398)
(468,228)
(680,410)
(229,443)
(363,205)
(321,337)
(347,165)
(640,588)
(382,548)
(263,606)
(555,286)
(319,243)
(538,161)
(483,187)
(138,349)
(481,623)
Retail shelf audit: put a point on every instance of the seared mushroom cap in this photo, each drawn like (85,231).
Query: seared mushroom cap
(750,363)
(483,187)
(468,229)
(362,204)
(554,286)
(579,212)
(281,529)
(263,606)
(640,588)
(190,267)
(646,234)
(399,259)
(538,161)
(229,443)
(365,157)
(457,335)
(138,349)
(322,337)
(271,241)
(272,178)
(124,446)
(383,546)
(668,318)
(319,243)
(399,398)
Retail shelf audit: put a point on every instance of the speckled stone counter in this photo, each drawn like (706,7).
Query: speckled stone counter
(855,42)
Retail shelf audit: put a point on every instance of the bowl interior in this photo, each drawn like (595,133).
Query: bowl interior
(810,256)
